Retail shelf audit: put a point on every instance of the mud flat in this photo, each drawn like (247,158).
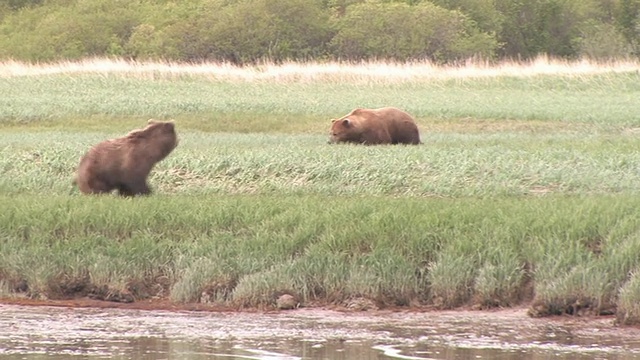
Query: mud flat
(61,332)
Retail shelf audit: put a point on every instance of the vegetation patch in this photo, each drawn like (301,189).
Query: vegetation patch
(524,191)
(247,250)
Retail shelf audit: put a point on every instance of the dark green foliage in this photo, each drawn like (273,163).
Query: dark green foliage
(603,41)
(399,31)
(483,12)
(527,30)
(248,31)
(91,28)
(252,30)
(628,20)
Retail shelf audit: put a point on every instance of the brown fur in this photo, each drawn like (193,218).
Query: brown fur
(125,163)
(387,125)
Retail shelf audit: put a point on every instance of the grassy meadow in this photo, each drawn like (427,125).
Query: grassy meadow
(524,191)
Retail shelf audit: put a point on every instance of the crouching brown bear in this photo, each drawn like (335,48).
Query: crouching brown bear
(387,125)
(125,163)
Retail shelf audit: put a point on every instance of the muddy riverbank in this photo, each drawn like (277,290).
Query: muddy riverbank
(88,330)
(167,305)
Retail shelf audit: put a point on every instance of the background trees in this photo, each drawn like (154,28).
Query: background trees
(242,31)
(399,31)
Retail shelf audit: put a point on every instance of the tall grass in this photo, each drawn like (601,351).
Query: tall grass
(450,165)
(384,71)
(295,100)
(525,187)
(245,250)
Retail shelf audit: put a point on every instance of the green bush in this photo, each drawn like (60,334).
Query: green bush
(483,13)
(403,32)
(252,30)
(248,31)
(144,43)
(245,31)
(92,28)
(603,42)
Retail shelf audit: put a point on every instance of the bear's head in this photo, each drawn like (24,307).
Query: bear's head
(343,130)
(159,138)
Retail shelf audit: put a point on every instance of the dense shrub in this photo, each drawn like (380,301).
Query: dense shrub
(244,31)
(88,28)
(603,41)
(484,13)
(399,31)
(276,29)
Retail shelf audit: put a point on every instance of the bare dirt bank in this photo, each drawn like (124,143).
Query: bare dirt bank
(167,305)
(86,302)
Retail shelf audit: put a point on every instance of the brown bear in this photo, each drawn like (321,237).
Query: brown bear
(387,125)
(124,163)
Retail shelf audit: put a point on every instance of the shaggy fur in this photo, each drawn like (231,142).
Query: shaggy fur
(125,163)
(386,125)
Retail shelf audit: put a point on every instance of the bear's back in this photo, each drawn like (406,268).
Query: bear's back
(400,125)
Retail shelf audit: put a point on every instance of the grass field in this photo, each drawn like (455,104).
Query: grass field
(524,191)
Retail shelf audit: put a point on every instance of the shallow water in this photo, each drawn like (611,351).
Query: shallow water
(83,333)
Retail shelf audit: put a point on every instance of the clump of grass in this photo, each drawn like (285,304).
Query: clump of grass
(500,281)
(316,275)
(387,278)
(6,290)
(205,280)
(451,278)
(628,311)
(333,278)
(567,293)
(262,289)
(584,276)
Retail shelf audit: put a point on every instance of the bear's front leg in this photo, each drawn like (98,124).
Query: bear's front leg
(95,186)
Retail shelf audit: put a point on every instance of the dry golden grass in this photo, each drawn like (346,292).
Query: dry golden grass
(380,71)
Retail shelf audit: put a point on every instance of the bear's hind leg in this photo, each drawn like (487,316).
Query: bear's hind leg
(124,191)
(134,189)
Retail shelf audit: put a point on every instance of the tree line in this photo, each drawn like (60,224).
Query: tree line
(246,31)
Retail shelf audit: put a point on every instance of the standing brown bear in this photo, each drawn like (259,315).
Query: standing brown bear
(124,163)
(387,125)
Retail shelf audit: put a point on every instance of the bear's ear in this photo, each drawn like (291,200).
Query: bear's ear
(346,123)
(152,121)
(333,120)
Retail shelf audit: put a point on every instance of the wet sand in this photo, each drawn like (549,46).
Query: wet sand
(167,305)
(160,329)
